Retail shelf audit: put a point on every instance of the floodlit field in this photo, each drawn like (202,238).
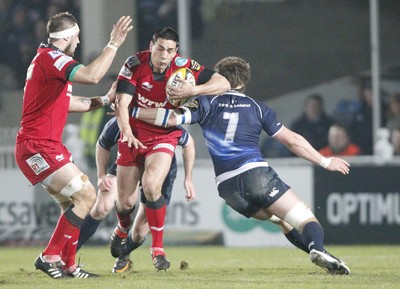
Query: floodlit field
(213,267)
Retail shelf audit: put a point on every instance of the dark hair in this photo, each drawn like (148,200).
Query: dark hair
(236,70)
(166,33)
(60,22)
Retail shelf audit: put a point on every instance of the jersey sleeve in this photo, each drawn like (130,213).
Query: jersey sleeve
(184,139)
(126,77)
(110,134)
(271,125)
(61,65)
(201,73)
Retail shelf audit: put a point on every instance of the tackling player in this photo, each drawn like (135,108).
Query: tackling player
(232,123)
(145,151)
(39,151)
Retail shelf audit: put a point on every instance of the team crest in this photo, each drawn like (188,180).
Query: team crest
(179,61)
(37,163)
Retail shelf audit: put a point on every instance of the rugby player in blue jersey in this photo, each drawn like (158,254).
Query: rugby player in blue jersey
(232,123)
(107,184)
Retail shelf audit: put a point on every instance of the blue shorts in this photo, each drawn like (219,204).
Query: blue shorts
(252,190)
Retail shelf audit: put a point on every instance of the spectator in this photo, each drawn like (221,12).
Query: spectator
(20,22)
(395,140)
(393,112)
(155,14)
(314,123)
(339,143)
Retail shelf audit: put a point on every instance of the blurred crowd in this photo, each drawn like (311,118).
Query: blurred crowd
(348,131)
(23,27)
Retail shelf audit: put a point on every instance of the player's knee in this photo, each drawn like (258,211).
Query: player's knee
(298,216)
(81,191)
(103,205)
(151,190)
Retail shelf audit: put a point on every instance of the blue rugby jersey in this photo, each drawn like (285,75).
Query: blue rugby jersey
(232,123)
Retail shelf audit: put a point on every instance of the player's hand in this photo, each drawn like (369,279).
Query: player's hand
(183,90)
(120,30)
(339,165)
(190,191)
(104,183)
(129,138)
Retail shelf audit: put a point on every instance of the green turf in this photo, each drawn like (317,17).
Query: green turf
(213,267)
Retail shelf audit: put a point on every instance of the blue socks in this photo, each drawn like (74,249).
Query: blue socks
(88,228)
(313,236)
(296,239)
(131,245)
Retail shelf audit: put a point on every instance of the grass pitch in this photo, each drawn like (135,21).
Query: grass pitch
(212,267)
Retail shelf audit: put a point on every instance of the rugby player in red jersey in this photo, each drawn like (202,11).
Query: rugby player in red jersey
(39,151)
(145,151)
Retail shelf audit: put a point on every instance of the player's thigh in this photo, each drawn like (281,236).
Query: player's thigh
(283,205)
(62,177)
(156,169)
(127,181)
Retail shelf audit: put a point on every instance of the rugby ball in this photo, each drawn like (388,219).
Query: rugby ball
(181,73)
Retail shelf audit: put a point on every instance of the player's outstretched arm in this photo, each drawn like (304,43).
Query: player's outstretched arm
(298,145)
(84,104)
(161,116)
(94,72)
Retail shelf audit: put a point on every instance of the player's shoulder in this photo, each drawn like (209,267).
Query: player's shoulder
(180,62)
(137,59)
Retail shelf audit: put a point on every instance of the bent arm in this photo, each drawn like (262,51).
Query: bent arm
(216,85)
(102,160)
(298,145)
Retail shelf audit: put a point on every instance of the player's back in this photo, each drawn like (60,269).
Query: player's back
(232,124)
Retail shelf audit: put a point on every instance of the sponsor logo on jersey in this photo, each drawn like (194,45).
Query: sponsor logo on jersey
(164,145)
(145,102)
(125,72)
(55,53)
(147,86)
(37,163)
(59,157)
(194,65)
(179,61)
(60,62)
(273,192)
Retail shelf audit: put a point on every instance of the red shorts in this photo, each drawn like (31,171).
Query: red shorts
(37,159)
(135,157)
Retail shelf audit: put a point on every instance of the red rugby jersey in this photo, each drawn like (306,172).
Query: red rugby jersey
(148,88)
(46,95)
